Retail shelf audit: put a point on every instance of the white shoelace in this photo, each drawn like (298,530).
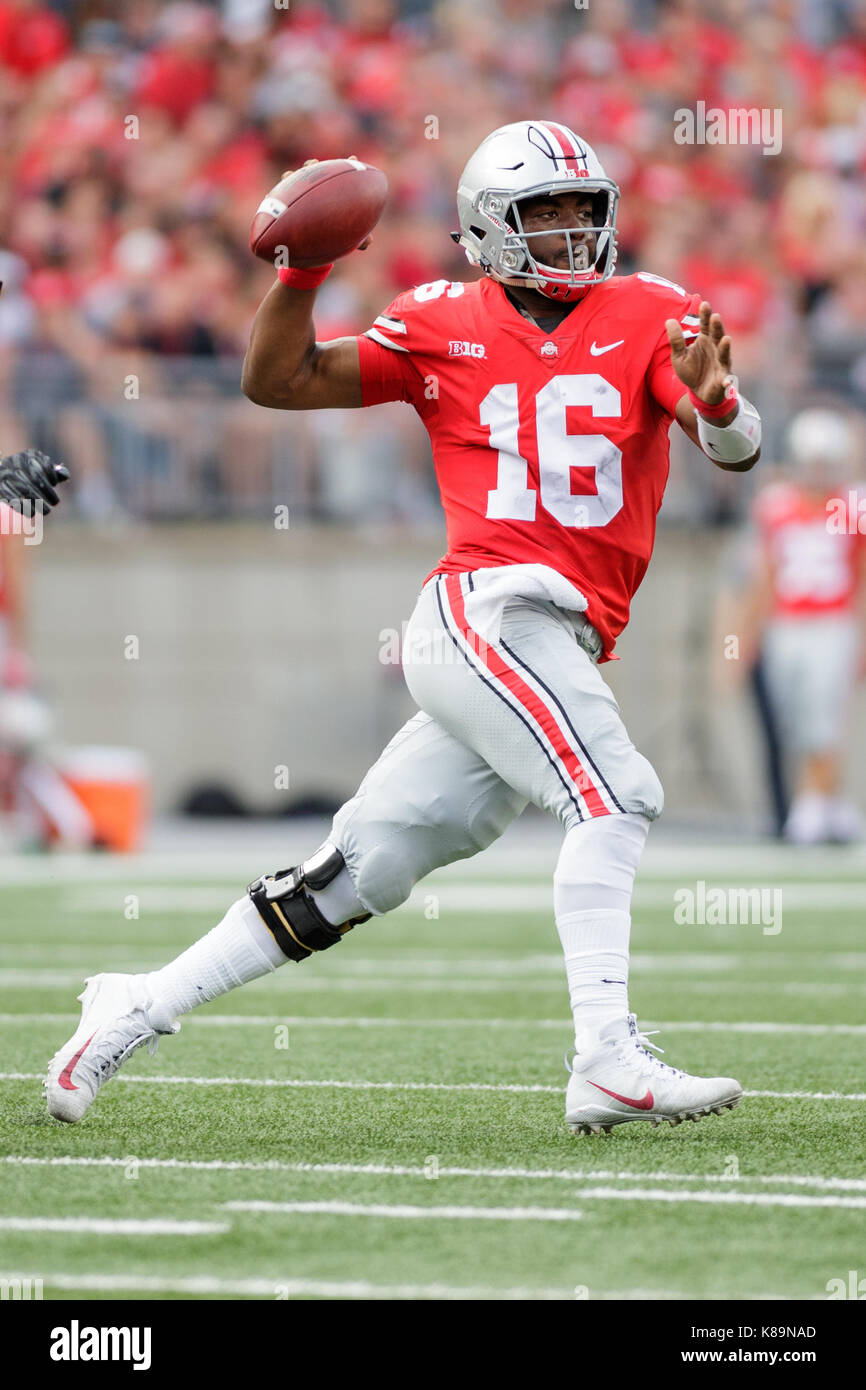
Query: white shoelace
(106,1055)
(642,1043)
(638,1040)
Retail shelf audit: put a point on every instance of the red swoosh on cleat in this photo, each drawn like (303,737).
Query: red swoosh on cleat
(645,1104)
(66,1075)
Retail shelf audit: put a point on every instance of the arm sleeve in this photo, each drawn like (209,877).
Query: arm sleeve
(386,352)
(664,385)
(386,374)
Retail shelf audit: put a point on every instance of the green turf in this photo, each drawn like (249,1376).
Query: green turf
(473,998)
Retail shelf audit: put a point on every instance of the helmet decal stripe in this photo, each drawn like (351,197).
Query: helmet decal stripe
(573,155)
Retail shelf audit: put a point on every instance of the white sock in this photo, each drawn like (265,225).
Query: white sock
(596,965)
(592,890)
(236,951)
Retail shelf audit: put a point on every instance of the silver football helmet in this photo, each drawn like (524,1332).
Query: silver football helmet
(821,442)
(531,159)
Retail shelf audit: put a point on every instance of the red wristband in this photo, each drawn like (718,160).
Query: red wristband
(715,412)
(309,279)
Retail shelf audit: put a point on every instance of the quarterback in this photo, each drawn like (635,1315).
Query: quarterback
(548,387)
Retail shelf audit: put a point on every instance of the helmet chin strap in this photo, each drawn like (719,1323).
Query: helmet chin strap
(563,294)
(557,294)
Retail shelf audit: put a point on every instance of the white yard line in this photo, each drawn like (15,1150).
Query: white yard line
(295,1084)
(666,857)
(328,1021)
(473,897)
(586,1194)
(404,1212)
(280,1287)
(398,1170)
(103,1226)
(420,972)
(713,1198)
(292,1083)
(73,980)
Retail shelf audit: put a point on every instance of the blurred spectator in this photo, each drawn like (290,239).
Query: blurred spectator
(137,140)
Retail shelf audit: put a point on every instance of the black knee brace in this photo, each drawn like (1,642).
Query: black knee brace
(290,913)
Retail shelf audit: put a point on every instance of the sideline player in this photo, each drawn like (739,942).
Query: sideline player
(35,803)
(805,609)
(548,388)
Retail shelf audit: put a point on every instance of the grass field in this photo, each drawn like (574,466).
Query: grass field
(387,1122)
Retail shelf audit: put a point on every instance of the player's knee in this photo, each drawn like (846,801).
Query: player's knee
(637,790)
(288,909)
(386,861)
(643,792)
(597,864)
(388,850)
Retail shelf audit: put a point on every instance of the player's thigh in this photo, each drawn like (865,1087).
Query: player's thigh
(532,704)
(781,655)
(811,666)
(827,673)
(427,801)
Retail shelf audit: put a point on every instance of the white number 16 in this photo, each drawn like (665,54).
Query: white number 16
(558,452)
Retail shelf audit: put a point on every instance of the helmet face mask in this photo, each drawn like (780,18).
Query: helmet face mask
(540,159)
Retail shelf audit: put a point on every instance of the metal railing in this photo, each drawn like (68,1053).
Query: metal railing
(176,439)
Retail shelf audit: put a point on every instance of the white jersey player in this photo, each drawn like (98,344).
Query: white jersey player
(808,603)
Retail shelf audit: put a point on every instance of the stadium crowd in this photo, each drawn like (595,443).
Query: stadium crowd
(137,141)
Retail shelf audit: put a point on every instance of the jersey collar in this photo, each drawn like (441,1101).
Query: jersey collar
(513,321)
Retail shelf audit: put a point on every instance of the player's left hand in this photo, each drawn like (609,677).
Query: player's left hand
(705,365)
(30,476)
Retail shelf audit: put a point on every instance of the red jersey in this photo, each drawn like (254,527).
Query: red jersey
(814,547)
(7,524)
(550,448)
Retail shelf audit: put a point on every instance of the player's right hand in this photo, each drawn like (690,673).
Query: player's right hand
(30,476)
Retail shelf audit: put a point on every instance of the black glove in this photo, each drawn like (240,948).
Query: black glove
(30,477)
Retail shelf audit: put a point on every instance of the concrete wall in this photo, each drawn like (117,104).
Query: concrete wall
(259,647)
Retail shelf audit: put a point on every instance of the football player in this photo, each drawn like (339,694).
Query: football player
(805,610)
(548,388)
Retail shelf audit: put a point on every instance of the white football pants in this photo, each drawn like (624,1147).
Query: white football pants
(525,717)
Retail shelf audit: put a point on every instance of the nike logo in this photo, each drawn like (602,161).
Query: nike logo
(645,1104)
(66,1075)
(599,351)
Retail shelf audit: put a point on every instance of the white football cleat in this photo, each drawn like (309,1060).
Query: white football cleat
(808,820)
(845,823)
(622,1081)
(116,1019)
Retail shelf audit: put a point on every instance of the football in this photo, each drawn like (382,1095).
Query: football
(319,213)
